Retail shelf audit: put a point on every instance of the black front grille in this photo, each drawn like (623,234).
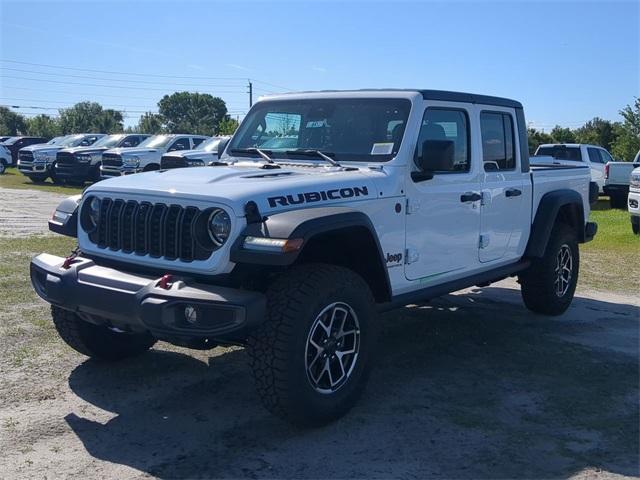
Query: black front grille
(111,160)
(65,158)
(144,228)
(172,161)
(25,156)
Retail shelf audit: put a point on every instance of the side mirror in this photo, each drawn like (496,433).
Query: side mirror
(437,155)
(222,145)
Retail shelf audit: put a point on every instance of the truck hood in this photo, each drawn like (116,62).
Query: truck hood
(41,148)
(89,149)
(190,154)
(135,151)
(279,189)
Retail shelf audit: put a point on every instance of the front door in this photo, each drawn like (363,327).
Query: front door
(443,213)
(504,189)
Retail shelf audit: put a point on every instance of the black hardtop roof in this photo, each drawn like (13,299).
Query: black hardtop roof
(442,95)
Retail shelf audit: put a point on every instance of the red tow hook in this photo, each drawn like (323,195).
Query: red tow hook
(165,281)
(68,261)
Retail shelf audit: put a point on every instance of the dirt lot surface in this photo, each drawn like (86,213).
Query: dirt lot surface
(469,386)
(25,212)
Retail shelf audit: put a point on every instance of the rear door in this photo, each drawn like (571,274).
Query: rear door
(505,188)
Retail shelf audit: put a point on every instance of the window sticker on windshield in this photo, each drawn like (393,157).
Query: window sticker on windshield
(317,123)
(382,148)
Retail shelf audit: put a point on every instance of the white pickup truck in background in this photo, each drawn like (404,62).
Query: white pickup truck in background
(634,200)
(616,180)
(594,156)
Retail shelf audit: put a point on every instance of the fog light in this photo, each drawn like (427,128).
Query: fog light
(190,314)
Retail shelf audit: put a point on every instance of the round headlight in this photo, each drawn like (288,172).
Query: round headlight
(219,227)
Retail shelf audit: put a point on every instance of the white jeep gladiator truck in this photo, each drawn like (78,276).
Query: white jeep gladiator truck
(146,157)
(389,197)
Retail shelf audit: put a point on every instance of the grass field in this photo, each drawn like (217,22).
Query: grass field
(12,178)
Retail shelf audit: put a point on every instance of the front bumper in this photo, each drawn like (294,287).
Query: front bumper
(136,303)
(33,168)
(73,170)
(108,172)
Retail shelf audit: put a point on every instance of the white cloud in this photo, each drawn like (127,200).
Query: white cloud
(238,67)
(319,69)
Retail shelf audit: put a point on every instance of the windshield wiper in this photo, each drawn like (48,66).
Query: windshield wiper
(262,153)
(314,153)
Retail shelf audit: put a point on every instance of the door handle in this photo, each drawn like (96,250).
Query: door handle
(470,197)
(513,192)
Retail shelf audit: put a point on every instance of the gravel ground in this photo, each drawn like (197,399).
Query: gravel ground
(471,385)
(25,212)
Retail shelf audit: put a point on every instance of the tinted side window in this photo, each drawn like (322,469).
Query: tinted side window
(180,144)
(594,155)
(498,144)
(197,141)
(605,156)
(444,138)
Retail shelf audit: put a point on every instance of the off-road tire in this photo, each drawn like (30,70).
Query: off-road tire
(618,201)
(277,348)
(538,282)
(97,341)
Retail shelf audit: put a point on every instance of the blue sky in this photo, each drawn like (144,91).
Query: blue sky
(566,61)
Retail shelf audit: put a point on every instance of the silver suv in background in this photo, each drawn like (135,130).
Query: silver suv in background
(204,154)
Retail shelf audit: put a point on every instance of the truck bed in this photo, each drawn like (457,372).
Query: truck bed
(549,177)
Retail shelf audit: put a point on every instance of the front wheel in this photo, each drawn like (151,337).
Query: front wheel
(98,341)
(549,284)
(3,167)
(312,356)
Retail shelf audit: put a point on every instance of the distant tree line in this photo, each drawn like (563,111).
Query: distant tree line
(622,139)
(180,112)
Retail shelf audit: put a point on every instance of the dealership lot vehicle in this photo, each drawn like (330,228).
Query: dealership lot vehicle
(147,156)
(14,144)
(634,201)
(568,153)
(202,155)
(37,161)
(292,252)
(616,184)
(78,164)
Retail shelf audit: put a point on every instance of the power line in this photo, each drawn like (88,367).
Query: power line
(137,74)
(117,80)
(97,85)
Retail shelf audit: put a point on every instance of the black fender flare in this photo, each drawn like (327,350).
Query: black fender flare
(546,215)
(303,224)
(69,225)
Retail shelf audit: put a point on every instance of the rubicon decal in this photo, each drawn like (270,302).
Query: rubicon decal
(310,197)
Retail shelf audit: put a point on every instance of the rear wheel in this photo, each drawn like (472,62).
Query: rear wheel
(97,341)
(312,356)
(549,284)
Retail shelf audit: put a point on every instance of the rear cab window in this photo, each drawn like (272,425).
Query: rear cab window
(561,152)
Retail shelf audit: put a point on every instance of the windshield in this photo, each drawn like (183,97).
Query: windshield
(561,152)
(210,145)
(351,129)
(157,141)
(109,141)
(56,140)
(71,141)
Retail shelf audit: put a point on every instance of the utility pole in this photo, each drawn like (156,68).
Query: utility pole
(250,93)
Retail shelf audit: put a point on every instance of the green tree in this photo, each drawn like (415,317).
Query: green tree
(90,117)
(597,132)
(11,123)
(563,135)
(150,123)
(627,142)
(43,126)
(186,112)
(536,138)
(227,126)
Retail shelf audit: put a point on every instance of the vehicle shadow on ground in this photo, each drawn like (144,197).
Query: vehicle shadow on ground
(468,386)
